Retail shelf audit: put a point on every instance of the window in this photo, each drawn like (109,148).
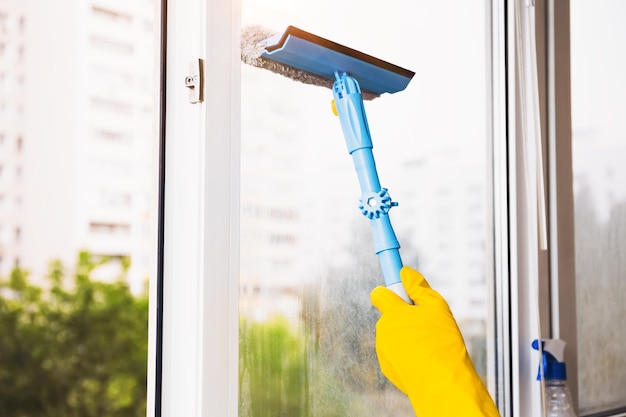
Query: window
(286,141)
(313,273)
(109,228)
(111,77)
(598,41)
(111,106)
(116,47)
(113,136)
(77,205)
(114,16)
(234,165)
(4,19)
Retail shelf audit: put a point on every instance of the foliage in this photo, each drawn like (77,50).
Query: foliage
(274,364)
(73,347)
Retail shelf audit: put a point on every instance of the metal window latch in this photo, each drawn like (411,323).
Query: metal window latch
(195,81)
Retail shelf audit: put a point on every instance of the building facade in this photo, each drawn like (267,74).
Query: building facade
(77,145)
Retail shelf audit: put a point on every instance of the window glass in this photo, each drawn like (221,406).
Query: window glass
(598,39)
(77,191)
(307,260)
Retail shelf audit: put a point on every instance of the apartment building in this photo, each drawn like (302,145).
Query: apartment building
(77,140)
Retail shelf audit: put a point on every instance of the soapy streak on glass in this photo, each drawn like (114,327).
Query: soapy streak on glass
(598,39)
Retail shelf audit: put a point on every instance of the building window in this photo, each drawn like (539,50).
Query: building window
(111,15)
(111,45)
(111,105)
(114,136)
(4,18)
(109,228)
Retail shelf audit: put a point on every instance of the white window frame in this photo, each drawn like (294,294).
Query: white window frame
(562,277)
(525,263)
(193,339)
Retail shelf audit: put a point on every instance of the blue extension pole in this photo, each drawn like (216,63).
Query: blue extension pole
(375,202)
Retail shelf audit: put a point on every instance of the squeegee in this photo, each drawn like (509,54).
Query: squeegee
(353,77)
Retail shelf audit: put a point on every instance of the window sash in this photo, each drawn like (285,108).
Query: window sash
(195,316)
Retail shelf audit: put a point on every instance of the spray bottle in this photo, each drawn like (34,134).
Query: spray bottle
(557,396)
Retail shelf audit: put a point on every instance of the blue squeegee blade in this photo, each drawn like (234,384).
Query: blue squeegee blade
(307,52)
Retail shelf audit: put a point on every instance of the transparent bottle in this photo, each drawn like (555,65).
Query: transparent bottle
(557,397)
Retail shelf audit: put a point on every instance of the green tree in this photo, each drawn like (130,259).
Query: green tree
(274,377)
(74,347)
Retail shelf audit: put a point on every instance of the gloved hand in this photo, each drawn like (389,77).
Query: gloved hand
(421,350)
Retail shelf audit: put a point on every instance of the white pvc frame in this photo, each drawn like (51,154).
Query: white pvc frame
(504,247)
(523,238)
(194,309)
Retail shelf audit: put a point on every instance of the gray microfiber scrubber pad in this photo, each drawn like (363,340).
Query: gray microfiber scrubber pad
(252,47)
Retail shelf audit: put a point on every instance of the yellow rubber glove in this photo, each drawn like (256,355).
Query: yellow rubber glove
(421,350)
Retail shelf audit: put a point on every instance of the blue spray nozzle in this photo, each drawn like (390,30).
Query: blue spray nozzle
(552,359)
